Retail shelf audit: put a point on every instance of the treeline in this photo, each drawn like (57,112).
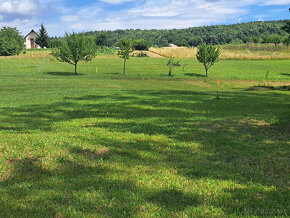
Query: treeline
(256,32)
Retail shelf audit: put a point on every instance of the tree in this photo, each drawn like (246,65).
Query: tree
(208,55)
(75,48)
(126,47)
(141,45)
(171,64)
(42,39)
(102,39)
(11,42)
(286,27)
(276,40)
(286,41)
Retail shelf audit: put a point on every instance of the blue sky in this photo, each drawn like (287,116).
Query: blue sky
(60,16)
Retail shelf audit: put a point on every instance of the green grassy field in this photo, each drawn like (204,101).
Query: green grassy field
(142,144)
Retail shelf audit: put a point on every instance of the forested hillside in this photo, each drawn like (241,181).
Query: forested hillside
(219,34)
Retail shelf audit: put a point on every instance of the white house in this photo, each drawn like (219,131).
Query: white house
(30,40)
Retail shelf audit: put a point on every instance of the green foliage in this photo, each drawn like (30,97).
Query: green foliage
(276,40)
(142,55)
(237,41)
(286,27)
(11,42)
(171,64)
(102,39)
(182,42)
(141,45)
(55,42)
(208,55)
(195,41)
(286,41)
(219,34)
(75,48)
(42,40)
(126,48)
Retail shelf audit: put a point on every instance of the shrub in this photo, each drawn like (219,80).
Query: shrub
(142,55)
(11,42)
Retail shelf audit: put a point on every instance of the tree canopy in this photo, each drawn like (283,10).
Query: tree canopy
(11,42)
(43,38)
(208,55)
(126,47)
(194,36)
(75,48)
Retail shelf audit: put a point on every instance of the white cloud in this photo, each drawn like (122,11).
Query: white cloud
(70,18)
(276,2)
(60,17)
(115,2)
(23,7)
(23,25)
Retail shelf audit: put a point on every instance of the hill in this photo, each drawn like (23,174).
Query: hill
(218,34)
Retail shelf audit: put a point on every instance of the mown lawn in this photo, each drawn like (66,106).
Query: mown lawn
(143,144)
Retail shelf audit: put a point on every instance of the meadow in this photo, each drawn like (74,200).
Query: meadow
(104,144)
(232,52)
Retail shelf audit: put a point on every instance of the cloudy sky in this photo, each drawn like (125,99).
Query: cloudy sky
(61,16)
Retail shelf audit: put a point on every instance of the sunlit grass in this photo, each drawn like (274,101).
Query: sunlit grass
(103,144)
(232,52)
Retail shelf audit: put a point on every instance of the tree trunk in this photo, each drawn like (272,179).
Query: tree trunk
(124,70)
(205,70)
(76,69)
(170,70)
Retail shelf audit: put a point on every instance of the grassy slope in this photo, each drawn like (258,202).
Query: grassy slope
(142,144)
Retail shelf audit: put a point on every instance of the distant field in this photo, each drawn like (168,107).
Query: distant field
(228,52)
(111,67)
(232,52)
(104,144)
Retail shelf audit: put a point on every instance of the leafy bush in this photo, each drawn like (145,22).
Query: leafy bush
(142,55)
(11,42)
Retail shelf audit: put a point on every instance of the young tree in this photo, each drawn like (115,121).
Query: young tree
(11,42)
(126,47)
(42,39)
(171,64)
(75,48)
(208,55)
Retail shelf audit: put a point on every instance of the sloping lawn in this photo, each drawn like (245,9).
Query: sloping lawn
(143,145)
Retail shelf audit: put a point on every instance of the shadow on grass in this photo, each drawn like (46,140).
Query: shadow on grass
(166,75)
(285,74)
(64,74)
(189,133)
(269,88)
(174,200)
(116,74)
(194,75)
